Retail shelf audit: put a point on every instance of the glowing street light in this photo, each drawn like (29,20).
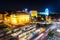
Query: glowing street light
(26,9)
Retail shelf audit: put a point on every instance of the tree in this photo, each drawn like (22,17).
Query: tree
(2,26)
(50,33)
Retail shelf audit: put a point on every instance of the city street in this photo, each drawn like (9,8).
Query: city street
(29,19)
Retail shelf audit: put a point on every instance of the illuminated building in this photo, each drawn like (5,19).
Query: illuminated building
(1,18)
(20,18)
(13,19)
(5,17)
(23,18)
(45,13)
(33,13)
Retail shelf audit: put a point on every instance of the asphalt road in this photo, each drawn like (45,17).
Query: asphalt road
(46,32)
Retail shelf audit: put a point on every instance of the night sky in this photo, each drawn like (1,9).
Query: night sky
(12,5)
